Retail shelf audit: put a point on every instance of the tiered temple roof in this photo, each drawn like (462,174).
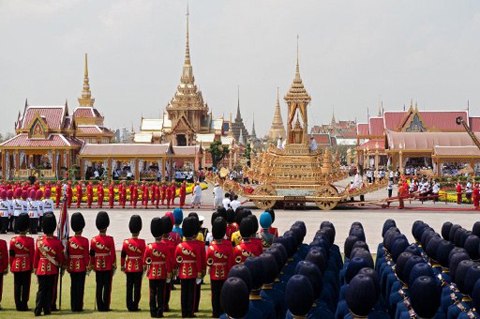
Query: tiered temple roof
(277,129)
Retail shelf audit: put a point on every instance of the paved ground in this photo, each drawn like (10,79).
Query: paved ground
(371,216)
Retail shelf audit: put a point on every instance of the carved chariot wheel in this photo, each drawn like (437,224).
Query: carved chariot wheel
(327,191)
(264,190)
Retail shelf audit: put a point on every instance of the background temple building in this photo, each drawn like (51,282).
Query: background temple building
(418,138)
(49,139)
(237,126)
(343,131)
(187,119)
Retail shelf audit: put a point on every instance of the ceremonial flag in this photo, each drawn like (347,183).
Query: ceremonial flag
(63,226)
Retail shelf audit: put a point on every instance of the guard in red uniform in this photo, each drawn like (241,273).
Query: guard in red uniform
(48,262)
(459,190)
(100,194)
(183,193)
(122,191)
(220,260)
(171,239)
(77,262)
(246,248)
(169,196)
(159,261)
(3,264)
(79,193)
(58,194)
(156,194)
(132,185)
(69,194)
(173,192)
(190,257)
(111,194)
(152,193)
(163,192)
(145,195)
(476,196)
(131,263)
(134,195)
(103,261)
(89,194)
(22,249)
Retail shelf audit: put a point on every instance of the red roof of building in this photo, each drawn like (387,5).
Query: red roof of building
(432,120)
(374,144)
(375,126)
(362,129)
(125,150)
(85,111)
(322,139)
(53,140)
(53,115)
(475,123)
(88,129)
(427,140)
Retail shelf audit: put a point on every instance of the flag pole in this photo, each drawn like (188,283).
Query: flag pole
(62,234)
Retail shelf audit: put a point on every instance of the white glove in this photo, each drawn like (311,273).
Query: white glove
(198,281)
(168,280)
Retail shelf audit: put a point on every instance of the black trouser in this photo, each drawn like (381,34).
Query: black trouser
(33,225)
(4,221)
(168,292)
(77,290)
(134,289)
(390,193)
(44,294)
(198,289)
(10,223)
(157,296)
(54,294)
(104,287)
(21,289)
(188,287)
(40,223)
(216,287)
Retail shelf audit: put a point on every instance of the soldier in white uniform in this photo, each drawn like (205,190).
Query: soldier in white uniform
(10,209)
(33,212)
(48,204)
(4,211)
(19,206)
(38,197)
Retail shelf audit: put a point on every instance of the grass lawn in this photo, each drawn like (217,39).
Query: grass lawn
(118,305)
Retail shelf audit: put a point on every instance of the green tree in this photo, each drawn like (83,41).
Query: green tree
(247,154)
(218,152)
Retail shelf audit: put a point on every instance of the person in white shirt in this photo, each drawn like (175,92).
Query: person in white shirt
(33,213)
(469,191)
(19,206)
(4,215)
(40,211)
(48,203)
(217,196)
(235,203)
(313,144)
(10,209)
(197,195)
(435,190)
(226,201)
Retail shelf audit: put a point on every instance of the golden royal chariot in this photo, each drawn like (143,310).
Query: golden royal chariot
(296,172)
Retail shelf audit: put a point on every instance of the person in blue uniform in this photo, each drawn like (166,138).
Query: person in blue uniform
(424,296)
(361,296)
(257,271)
(234,298)
(299,297)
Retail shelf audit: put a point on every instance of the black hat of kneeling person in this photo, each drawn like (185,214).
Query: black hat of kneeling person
(49,223)
(270,269)
(190,227)
(419,270)
(476,228)
(454,260)
(77,222)
(361,295)
(299,295)
(461,273)
(241,271)
(471,277)
(387,224)
(234,297)
(443,252)
(472,244)
(102,221)
(446,230)
(257,271)
(425,294)
(308,269)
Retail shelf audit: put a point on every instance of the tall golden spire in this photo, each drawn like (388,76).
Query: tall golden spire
(86,99)
(277,129)
(187,75)
(297,90)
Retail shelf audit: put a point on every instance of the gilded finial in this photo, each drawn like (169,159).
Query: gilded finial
(187,46)
(298,65)
(86,99)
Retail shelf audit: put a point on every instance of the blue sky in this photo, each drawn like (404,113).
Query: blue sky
(353,54)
